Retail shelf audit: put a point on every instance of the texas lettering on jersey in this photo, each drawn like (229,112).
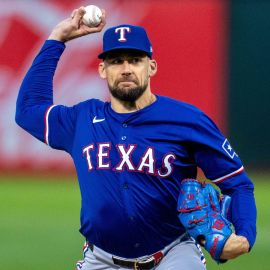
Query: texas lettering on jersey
(147,163)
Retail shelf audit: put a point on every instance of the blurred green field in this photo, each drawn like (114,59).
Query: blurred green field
(39,222)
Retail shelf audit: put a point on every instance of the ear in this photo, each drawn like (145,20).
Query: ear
(101,70)
(152,67)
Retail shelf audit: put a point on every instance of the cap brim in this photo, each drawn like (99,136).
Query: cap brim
(104,54)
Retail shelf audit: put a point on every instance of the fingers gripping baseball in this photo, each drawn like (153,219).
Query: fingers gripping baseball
(200,213)
(73,27)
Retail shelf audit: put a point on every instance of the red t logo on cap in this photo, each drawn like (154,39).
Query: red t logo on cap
(122,31)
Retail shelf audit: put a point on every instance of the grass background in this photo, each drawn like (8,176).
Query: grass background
(39,222)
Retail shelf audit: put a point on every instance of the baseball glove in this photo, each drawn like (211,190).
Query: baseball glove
(201,211)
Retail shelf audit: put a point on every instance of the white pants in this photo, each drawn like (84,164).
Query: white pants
(186,255)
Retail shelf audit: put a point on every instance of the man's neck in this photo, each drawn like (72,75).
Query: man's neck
(126,107)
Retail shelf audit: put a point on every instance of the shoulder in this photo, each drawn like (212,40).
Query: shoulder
(80,109)
(185,113)
(179,108)
(89,105)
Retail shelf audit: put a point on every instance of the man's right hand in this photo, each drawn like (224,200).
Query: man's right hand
(73,27)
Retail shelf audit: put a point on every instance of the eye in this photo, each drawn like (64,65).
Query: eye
(116,61)
(135,60)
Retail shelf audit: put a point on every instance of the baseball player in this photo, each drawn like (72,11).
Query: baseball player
(136,158)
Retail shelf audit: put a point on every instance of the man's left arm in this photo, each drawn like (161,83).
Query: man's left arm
(242,214)
(221,164)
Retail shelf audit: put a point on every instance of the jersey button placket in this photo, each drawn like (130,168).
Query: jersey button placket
(124,131)
(125,185)
(124,136)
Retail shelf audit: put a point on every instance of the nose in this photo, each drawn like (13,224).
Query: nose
(126,68)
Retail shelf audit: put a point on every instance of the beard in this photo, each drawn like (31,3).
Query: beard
(127,94)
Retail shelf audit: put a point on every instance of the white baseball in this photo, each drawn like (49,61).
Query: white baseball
(92,16)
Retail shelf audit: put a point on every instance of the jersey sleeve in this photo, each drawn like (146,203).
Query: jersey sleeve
(213,152)
(221,164)
(59,127)
(242,211)
(35,111)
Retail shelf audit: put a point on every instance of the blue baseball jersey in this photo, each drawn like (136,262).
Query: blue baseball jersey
(130,165)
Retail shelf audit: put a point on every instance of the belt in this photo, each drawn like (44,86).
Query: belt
(145,264)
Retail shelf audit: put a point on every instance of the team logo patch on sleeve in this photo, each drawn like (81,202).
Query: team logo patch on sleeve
(228,149)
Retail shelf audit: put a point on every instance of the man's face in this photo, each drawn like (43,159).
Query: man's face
(127,73)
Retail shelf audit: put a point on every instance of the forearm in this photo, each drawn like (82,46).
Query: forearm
(242,215)
(243,208)
(37,85)
(36,91)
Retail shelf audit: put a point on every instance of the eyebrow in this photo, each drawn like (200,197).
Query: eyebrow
(125,55)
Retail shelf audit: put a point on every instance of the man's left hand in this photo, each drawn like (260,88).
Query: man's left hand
(234,247)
